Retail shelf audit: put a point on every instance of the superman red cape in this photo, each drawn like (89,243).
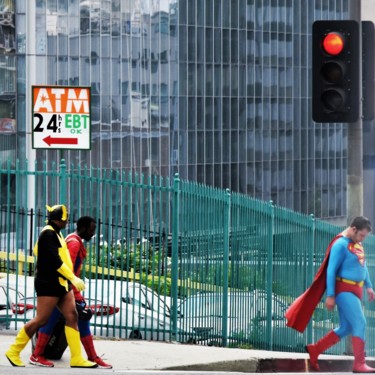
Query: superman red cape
(300,311)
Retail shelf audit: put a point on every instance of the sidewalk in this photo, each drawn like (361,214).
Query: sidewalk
(149,355)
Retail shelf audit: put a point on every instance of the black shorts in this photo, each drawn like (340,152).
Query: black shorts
(49,288)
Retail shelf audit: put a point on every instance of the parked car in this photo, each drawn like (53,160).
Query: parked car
(143,313)
(26,307)
(103,313)
(121,309)
(202,314)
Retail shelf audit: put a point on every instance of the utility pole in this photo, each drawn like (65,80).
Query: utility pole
(354,197)
(354,179)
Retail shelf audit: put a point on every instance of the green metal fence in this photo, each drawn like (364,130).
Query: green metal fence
(172,260)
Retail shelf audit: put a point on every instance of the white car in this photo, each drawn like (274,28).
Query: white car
(143,314)
(202,314)
(25,309)
(120,309)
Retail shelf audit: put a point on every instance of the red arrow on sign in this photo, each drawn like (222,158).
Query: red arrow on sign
(60,141)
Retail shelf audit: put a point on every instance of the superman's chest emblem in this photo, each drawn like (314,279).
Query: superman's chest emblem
(357,250)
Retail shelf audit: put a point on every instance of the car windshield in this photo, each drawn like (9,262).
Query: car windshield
(146,298)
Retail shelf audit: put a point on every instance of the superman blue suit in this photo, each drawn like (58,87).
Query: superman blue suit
(347,273)
(343,274)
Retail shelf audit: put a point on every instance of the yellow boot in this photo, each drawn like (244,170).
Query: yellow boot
(13,353)
(74,342)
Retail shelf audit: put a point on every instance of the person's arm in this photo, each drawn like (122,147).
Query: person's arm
(65,271)
(368,283)
(336,258)
(368,286)
(74,247)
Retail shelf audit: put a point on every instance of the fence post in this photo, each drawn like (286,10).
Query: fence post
(271,227)
(175,243)
(227,207)
(8,191)
(63,182)
(310,267)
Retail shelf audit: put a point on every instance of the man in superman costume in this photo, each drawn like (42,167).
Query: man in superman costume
(342,275)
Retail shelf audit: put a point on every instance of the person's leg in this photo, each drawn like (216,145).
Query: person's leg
(354,314)
(345,327)
(45,306)
(320,346)
(332,338)
(88,343)
(44,333)
(68,309)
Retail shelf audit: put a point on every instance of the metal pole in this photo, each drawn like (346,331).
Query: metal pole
(175,244)
(355,142)
(354,180)
(227,229)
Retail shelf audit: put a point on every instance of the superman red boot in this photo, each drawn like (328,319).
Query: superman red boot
(323,344)
(359,356)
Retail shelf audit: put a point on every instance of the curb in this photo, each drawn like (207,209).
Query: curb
(242,365)
(269,365)
(303,365)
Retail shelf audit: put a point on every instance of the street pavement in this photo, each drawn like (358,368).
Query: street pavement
(146,357)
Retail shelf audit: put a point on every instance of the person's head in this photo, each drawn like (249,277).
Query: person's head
(360,227)
(86,227)
(58,214)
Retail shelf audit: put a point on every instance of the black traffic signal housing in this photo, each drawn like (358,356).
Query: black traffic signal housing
(368,70)
(335,71)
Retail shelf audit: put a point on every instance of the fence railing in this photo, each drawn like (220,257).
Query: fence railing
(172,259)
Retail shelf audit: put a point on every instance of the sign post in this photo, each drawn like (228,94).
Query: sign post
(61,117)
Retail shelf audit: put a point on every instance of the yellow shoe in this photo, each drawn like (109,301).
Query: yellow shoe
(13,353)
(83,363)
(74,342)
(14,358)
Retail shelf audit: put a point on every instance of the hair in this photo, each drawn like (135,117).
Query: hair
(361,222)
(84,222)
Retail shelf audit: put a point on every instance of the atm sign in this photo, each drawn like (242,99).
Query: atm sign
(61,117)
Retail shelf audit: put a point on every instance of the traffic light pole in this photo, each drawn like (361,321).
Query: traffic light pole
(354,179)
(354,197)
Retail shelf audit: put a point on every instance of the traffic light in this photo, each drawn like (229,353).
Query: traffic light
(335,71)
(368,70)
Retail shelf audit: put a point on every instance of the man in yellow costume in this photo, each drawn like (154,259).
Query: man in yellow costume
(53,278)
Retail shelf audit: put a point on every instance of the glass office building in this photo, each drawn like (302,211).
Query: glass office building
(216,90)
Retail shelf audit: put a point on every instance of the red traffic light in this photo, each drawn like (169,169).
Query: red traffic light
(333,43)
(335,71)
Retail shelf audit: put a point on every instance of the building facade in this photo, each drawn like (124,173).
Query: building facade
(216,90)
